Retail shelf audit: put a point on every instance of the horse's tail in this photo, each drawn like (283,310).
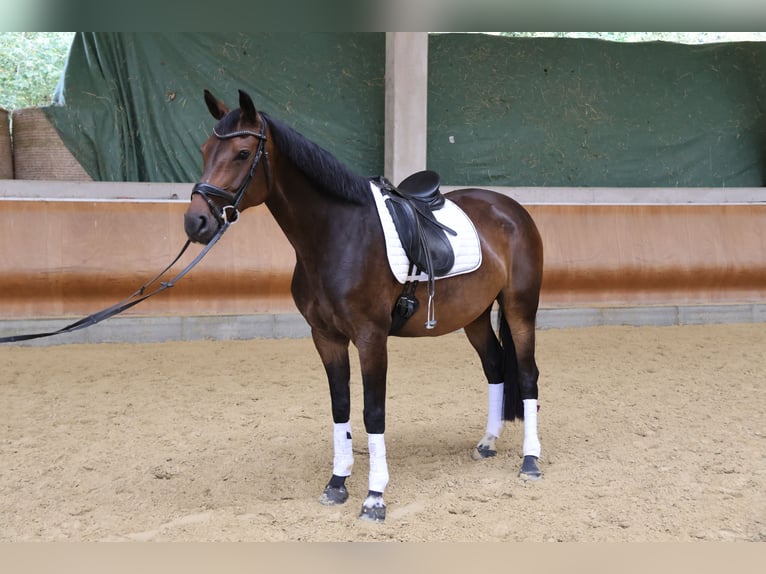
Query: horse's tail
(513,407)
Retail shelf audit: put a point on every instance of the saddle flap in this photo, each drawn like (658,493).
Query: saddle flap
(424,242)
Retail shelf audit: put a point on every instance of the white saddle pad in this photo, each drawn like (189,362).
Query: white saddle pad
(465,244)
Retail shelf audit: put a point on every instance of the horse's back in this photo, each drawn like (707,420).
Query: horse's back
(486,197)
(489,209)
(505,226)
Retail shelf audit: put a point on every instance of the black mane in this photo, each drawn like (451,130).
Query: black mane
(319,165)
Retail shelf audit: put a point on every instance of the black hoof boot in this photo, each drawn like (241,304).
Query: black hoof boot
(335,492)
(529,468)
(373,508)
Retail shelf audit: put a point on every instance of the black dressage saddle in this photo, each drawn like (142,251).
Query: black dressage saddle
(412,204)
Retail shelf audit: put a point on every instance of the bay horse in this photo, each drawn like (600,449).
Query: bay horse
(344,288)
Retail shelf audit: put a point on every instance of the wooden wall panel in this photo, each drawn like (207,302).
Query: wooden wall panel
(653,254)
(74,257)
(68,258)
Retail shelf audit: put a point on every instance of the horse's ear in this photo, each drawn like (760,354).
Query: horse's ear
(217,108)
(247,109)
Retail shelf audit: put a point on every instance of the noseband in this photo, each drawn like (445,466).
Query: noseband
(229,213)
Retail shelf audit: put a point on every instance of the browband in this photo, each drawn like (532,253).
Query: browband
(239,133)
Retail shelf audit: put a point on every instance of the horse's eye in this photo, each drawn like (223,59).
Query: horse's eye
(243,154)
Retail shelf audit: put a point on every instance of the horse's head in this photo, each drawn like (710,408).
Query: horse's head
(235,173)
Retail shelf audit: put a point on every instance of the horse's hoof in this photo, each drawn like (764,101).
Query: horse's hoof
(529,469)
(485,448)
(333,495)
(373,509)
(482,451)
(377,514)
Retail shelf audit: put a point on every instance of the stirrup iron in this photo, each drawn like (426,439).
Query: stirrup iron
(430,315)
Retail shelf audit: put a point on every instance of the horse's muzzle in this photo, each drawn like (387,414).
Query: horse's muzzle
(200,225)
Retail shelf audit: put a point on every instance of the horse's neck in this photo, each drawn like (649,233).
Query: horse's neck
(309,219)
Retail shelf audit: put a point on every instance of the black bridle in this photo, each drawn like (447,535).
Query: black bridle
(228,215)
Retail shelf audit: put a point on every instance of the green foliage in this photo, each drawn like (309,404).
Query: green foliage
(31,64)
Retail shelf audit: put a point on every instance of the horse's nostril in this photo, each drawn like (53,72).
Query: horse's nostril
(196,225)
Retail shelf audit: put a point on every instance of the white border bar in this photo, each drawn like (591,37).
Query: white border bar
(631,195)
(18,189)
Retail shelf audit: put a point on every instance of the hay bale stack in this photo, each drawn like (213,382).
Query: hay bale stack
(6,154)
(38,152)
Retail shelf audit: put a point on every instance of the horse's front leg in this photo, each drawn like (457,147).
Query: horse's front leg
(333,350)
(373,358)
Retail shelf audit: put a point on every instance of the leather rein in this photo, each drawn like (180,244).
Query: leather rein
(226,217)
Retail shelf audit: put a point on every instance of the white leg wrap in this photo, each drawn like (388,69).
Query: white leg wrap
(531,441)
(343,458)
(495,421)
(378,465)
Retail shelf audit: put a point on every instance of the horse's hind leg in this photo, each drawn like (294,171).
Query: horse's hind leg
(484,341)
(517,330)
(334,355)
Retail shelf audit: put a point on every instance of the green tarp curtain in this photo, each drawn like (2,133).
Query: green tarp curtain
(130,105)
(576,112)
(501,111)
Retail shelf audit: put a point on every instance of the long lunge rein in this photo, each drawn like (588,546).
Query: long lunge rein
(226,215)
(141,294)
